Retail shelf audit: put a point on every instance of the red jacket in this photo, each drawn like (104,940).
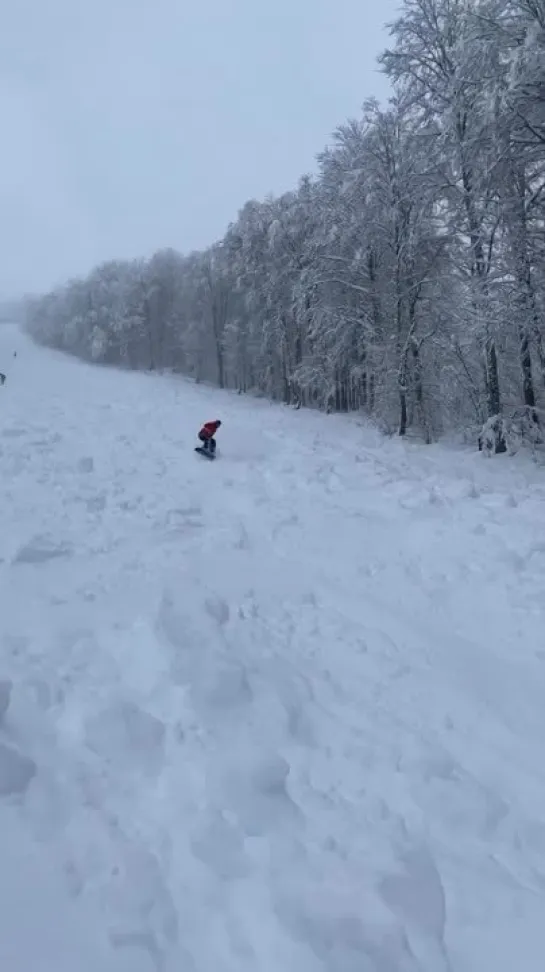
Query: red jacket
(209,429)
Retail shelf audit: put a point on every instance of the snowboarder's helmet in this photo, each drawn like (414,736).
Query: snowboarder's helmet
(217,423)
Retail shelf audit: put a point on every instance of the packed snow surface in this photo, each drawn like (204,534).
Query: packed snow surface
(280,712)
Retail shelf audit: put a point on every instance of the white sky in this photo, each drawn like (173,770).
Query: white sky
(129,125)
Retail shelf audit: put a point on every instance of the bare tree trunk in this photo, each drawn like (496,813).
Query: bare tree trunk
(525,303)
(419,391)
(482,302)
(402,386)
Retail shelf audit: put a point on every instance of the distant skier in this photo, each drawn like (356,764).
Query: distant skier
(206,435)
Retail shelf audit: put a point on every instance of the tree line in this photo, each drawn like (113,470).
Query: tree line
(406,278)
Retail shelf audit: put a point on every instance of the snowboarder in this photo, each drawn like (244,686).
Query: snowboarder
(206,435)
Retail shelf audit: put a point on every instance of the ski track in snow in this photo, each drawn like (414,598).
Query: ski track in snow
(284,711)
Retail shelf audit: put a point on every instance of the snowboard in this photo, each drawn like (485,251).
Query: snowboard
(205,452)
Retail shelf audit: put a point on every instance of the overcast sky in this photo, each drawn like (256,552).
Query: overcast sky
(129,125)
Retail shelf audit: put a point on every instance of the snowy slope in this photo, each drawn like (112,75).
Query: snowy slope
(279,713)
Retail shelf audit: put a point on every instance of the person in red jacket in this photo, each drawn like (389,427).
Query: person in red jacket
(207,433)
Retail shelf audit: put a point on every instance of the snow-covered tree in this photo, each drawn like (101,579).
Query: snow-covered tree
(406,278)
